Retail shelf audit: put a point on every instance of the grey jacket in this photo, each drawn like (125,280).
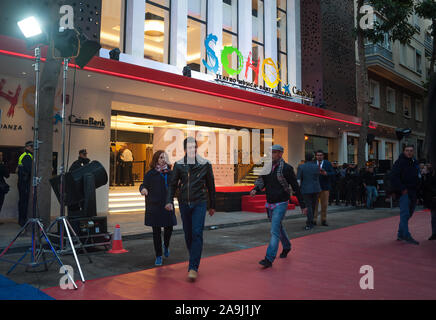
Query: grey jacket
(308,174)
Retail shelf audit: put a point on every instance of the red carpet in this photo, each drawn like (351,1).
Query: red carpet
(257,203)
(320,266)
(234,189)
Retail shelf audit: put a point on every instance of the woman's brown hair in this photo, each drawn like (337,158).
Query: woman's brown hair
(155,159)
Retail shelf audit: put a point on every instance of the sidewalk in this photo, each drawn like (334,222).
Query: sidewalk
(132,224)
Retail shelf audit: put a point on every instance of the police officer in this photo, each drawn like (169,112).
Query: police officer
(24,181)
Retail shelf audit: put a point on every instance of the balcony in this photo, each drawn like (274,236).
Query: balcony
(428,44)
(378,55)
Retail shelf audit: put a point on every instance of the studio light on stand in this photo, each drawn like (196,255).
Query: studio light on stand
(71,45)
(402,133)
(31,28)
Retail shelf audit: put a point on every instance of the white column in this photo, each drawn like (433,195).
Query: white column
(215,26)
(179,35)
(296,145)
(294,42)
(366,152)
(245,35)
(343,149)
(270,7)
(382,149)
(396,150)
(135,17)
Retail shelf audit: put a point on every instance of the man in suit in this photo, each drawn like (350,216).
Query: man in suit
(326,172)
(308,174)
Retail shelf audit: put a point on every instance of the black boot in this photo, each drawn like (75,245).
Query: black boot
(265,263)
(284,253)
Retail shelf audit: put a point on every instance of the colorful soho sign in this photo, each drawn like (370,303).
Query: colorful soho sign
(229,50)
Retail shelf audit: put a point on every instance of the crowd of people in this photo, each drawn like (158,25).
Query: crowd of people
(316,183)
(121,166)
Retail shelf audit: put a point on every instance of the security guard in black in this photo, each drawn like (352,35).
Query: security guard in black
(24,181)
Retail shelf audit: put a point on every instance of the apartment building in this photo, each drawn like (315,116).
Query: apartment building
(398,74)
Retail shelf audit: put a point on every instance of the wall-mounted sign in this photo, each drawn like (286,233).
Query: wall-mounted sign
(300,94)
(272,79)
(11,126)
(89,122)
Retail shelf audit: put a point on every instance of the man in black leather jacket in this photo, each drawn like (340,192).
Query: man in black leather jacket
(192,175)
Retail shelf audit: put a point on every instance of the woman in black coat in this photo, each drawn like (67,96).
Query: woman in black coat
(429,193)
(155,187)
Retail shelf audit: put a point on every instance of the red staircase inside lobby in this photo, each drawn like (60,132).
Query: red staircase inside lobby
(257,203)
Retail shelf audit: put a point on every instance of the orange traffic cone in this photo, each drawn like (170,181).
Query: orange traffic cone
(117,243)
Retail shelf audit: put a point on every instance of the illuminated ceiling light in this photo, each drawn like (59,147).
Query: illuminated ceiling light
(154,28)
(30,27)
(306,138)
(194,57)
(143,123)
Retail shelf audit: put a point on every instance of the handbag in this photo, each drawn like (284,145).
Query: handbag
(4,187)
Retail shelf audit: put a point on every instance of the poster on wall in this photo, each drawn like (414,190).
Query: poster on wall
(17,107)
(165,138)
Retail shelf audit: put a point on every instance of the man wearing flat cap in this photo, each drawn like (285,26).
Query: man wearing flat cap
(24,181)
(81,161)
(276,184)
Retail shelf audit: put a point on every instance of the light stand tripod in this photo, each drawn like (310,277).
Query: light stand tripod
(34,223)
(62,221)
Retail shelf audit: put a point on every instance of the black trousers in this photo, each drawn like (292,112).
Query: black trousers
(23,202)
(157,239)
(2,199)
(351,194)
(334,194)
(310,200)
(127,174)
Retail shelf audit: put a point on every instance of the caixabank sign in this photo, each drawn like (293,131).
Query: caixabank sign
(89,122)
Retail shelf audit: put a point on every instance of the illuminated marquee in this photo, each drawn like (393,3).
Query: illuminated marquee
(249,64)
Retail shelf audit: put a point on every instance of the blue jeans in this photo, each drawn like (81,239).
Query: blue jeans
(371,195)
(193,217)
(278,233)
(407,207)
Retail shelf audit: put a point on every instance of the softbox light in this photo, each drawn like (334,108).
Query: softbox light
(88,49)
(80,187)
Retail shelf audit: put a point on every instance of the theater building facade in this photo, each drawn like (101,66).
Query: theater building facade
(245,88)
